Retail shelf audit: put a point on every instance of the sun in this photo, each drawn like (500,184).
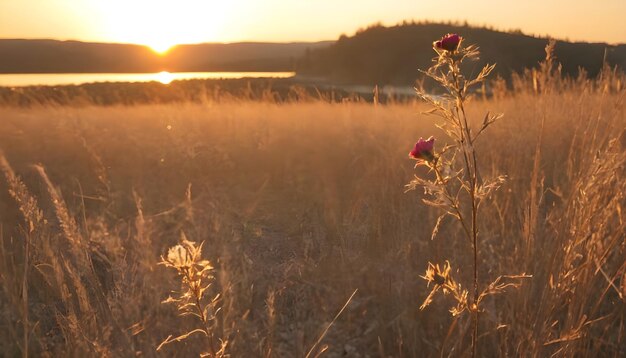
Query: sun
(161,24)
(161,47)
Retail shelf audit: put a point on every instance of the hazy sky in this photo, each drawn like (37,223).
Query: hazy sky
(161,23)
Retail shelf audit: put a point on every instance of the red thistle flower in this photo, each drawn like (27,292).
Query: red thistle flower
(450,42)
(423,149)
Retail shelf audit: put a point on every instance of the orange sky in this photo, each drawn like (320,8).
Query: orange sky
(162,23)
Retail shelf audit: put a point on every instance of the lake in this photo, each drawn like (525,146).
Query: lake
(57,79)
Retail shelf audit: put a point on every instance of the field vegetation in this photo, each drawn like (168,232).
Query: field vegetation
(310,243)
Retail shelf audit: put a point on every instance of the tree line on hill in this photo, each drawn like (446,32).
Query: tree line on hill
(393,55)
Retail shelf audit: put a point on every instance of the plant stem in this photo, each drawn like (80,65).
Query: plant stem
(25,320)
(198,304)
(453,204)
(473,179)
(467,147)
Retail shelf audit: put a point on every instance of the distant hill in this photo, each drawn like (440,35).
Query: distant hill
(392,55)
(51,56)
(242,56)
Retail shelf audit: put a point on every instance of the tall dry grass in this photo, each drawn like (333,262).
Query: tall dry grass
(299,205)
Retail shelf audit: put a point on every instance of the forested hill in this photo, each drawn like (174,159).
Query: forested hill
(392,55)
(52,56)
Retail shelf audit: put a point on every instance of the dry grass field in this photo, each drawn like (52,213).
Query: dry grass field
(298,205)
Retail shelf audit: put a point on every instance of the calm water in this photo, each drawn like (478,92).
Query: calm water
(55,79)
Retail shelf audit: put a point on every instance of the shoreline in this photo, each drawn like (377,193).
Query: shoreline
(296,88)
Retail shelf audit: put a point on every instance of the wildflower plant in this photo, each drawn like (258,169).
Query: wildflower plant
(453,183)
(196,277)
(442,280)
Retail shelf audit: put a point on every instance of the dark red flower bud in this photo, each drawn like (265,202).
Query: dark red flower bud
(450,42)
(423,149)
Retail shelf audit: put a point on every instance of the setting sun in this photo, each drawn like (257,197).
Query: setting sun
(160,47)
(160,25)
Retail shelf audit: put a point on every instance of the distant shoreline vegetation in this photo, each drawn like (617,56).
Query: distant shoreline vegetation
(275,90)
(293,89)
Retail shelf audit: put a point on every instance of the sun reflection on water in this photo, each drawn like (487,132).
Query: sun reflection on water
(164,77)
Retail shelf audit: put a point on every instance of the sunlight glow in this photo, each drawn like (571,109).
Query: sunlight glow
(161,24)
(164,77)
(161,47)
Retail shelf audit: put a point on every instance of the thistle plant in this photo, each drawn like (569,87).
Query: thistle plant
(196,277)
(453,183)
